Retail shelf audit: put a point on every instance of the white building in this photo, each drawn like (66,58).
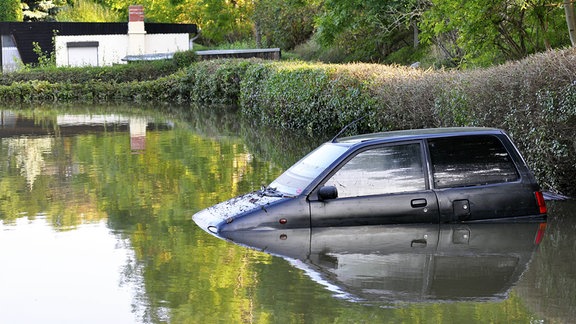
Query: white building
(92,44)
(100,50)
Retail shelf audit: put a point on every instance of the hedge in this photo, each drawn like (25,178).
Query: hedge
(533,99)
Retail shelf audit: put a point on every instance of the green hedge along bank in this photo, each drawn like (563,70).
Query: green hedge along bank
(534,100)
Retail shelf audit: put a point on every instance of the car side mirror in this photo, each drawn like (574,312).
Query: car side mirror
(328,192)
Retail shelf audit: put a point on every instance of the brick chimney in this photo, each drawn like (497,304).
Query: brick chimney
(136,31)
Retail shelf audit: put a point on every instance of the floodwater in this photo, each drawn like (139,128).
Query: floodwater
(95,227)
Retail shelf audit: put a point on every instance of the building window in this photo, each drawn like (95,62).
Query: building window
(82,53)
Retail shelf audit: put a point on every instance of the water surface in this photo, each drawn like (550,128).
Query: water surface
(95,227)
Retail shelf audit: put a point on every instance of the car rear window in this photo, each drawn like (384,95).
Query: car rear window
(470,161)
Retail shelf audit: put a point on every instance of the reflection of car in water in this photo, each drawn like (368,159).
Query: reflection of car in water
(407,263)
(428,176)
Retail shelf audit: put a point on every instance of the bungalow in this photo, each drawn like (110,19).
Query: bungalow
(92,44)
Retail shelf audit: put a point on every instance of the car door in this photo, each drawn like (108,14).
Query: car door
(378,185)
(476,178)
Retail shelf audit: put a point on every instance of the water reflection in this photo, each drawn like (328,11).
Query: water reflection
(408,263)
(64,277)
(91,230)
(15,125)
(549,287)
(70,171)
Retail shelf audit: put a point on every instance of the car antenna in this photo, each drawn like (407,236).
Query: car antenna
(345,128)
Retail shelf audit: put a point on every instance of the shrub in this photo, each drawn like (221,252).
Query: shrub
(319,99)
(534,99)
(214,82)
(184,59)
(138,71)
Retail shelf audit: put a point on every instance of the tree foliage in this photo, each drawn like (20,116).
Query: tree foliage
(10,10)
(450,32)
(369,30)
(223,21)
(41,10)
(284,23)
(487,31)
(88,11)
(479,32)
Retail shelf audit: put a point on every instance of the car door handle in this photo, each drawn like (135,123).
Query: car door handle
(420,243)
(417,203)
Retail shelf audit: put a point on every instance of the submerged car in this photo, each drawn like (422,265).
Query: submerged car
(425,176)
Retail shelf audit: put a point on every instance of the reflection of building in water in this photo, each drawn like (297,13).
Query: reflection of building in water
(136,125)
(137,133)
(8,119)
(29,140)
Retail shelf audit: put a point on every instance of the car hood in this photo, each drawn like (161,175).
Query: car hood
(210,218)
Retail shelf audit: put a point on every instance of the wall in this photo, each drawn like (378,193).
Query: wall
(166,43)
(113,48)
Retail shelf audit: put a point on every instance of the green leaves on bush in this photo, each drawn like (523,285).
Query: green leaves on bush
(138,71)
(318,99)
(533,99)
(184,59)
(214,82)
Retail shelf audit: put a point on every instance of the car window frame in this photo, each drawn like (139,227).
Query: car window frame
(424,155)
(511,151)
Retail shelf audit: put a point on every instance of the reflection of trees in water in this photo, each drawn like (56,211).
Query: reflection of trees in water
(549,286)
(132,277)
(182,274)
(50,173)
(29,155)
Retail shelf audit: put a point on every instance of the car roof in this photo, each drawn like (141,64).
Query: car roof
(410,134)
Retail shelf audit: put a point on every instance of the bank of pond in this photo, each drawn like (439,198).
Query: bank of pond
(534,100)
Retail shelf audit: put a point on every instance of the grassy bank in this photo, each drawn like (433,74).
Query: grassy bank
(534,99)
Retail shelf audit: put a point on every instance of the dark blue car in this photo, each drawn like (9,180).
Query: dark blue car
(425,176)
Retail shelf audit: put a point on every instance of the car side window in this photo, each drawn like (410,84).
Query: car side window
(381,170)
(470,161)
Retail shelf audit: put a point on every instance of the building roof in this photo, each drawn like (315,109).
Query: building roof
(26,33)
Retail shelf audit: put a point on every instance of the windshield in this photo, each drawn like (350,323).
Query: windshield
(301,174)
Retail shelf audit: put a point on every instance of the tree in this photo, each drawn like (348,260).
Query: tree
(10,10)
(41,10)
(220,21)
(487,31)
(570,20)
(284,23)
(370,30)
(88,11)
